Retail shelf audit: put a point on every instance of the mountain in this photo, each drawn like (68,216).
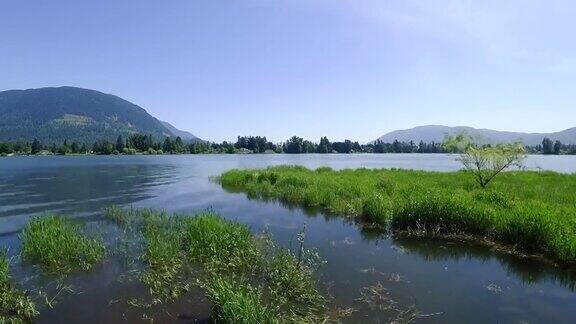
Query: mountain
(186,136)
(437,133)
(55,114)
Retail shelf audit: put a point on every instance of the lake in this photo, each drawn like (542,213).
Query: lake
(446,281)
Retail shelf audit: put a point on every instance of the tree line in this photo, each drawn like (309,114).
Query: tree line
(549,147)
(148,144)
(136,143)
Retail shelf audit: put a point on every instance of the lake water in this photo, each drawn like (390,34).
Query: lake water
(450,282)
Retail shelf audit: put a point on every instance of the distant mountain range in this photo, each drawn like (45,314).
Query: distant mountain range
(53,115)
(437,133)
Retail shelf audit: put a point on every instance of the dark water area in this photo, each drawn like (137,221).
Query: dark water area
(444,281)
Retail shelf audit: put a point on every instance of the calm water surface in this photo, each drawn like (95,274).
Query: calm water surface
(453,282)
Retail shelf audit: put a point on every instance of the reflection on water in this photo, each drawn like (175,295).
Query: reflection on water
(455,281)
(527,270)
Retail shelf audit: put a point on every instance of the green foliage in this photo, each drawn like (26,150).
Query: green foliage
(442,214)
(291,281)
(533,211)
(15,306)
(485,162)
(298,145)
(237,301)
(165,258)
(237,269)
(346,147)
(53,115)
(120,145)
(256,144)
(221,246)
(59,246)
(547,146)
(325,146)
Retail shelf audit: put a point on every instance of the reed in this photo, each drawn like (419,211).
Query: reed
(245,276)
(237,301)
(59,245)
(533,212)
(15,305)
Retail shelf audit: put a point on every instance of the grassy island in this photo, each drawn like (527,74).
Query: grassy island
(535,212)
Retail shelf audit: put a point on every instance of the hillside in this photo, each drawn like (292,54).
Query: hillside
(55,114)
(187,136)
(437,133)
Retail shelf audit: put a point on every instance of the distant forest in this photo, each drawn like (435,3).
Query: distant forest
(146,144)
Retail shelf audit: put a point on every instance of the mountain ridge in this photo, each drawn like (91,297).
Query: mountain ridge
(55,114)
(185,135)
(437,133)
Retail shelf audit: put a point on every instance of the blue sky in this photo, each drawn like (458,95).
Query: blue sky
(341,68)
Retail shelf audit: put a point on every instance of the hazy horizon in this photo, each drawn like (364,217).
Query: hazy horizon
(342,69)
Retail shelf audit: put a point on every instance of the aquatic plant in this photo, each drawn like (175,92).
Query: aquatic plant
(237,301)
(532,212)
(289,280)
(165,258)
(220,245)
(15,306)
(245,276)
(59,245)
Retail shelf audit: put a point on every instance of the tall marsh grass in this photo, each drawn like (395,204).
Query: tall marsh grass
(533,211)
(59,245)
(237,301)
(247,279)
(15,306)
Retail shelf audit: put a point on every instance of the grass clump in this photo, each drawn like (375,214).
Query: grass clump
(237,301)
(532,211)
(165,258)
(247,279)
(59,245)
(289,281)
(221,245)
(15,306)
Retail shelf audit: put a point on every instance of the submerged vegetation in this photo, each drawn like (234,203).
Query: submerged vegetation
(247,278)
(59,245)
(531,211)
(15,306)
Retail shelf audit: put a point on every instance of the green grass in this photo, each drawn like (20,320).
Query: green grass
(535,212)
(237,301)
(165,258)
(15,306)
(59,245)
(221,246)
(289,280)
(246,278)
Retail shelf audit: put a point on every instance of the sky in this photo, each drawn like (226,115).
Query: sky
(352,69)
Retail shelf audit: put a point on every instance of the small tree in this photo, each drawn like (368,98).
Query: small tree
(557,147)
(120,145)
(547,146)
(36,146)
(485,162)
